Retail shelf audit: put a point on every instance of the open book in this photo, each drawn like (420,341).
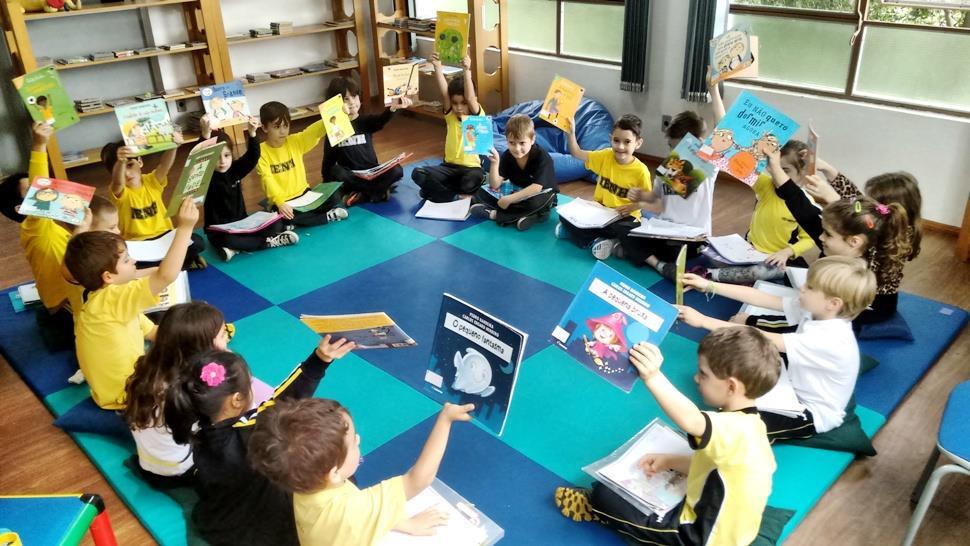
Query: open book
(774,289)
(367,330)
(465,526)
(313,198)
(735,250)
(250,224)
(374,172)
(587,214)
(176,293)
(152,250)
(665,229)
(453,210)
(781,399)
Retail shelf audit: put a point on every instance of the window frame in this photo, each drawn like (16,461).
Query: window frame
(849,92)
(559,24)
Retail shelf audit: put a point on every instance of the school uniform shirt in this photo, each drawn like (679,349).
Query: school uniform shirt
(141,211)
(356,152)
(224,198)
(348,516)
(454,151)
(110,329)
(613,180)
(823,364)
(44,242)
(281,170)
(773,227)
(695,210)
(729,478)
(159,454)
(538,169)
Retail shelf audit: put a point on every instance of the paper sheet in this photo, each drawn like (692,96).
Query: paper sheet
(657,227)
(454,210)
(736,250)
(459,531)
(153,250)
(587,214)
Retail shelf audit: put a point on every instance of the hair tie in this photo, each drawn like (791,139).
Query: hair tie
(883,210)
(213,374)
(858,206)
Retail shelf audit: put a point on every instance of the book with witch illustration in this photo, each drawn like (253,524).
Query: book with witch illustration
(335,120)
(741,142)
(367,330)
(60,200)
(196,174)
(475,360)
(451,36)
(476,135)
(731,54)
(609,315)
(400,80)
(146,126)
(45,98)
(682,170)
(561,102)
(225,103)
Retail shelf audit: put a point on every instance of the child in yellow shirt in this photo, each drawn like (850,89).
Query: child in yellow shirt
(281,170)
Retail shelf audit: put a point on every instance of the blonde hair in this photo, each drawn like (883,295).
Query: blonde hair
(848,279)
(520,126)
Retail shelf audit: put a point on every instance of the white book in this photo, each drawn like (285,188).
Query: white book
(28,293)
(781,399)
(587,214)
(174,294)
(465,526)
(250,224)
(736,250)
(774,289)
(153,250)
(656,227)
(797,276)
(454,210)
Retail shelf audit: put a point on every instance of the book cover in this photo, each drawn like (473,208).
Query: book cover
(174,294)
(225,103)
(146,126)
(474,360)
(336,121)
(196,174)
(812,159)
(476,135)
(561,102)
(45,97)
(731,53)
(451,37)
(679,281)
(682,170)
(314,197)
(610,314)
(250,224)
(400,80)
(465,525)
(749,131)
(374,172)
(367,330)
(60,200)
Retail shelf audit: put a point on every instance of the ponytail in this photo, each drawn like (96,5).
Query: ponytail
(901,187)
(200,392)
(895,244)
(885,227)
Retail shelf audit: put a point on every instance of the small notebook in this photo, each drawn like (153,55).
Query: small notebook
(456,211)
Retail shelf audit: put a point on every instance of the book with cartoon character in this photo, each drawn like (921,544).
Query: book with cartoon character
(610,314)
(196,174)
(146,126)
(367,330)
(451,36)
(731,54)
(749,131)
(400,80)
(682,170)
(561,103)
(225,103)
(475,360)
(45,98)
(60,200)
(476,135)
(335,120)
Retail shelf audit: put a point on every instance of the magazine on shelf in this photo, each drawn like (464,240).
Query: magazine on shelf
(476,135)
(196,174)
(400,80)
(251,224)
(774,289)
(682,170)
(151,250)
(60,200)
(146,126)
(335,120)
(734,249)
(46,98)
(374,172)
(225,103)
(367,330)
(466,525)
(609,315)
(314,197)
(174,294)
(665,229)
(587,214)
(456,211)
(474,360)
(731,53)
(561,102)
(781,399)
(451,37)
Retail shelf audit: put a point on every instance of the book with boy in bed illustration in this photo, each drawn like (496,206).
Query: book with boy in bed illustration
(367,330)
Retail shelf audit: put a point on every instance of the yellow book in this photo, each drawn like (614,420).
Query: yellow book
(367,330)
(681,269)
(335,120)
(561,102)
(451,36)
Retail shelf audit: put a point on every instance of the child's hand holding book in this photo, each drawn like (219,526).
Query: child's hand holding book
(646,358)
(695,282)
(329,351)
(41,134)
(453,412)
(188,214)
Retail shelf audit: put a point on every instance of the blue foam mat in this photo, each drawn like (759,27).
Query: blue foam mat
(717,307)
(20,343)
(230,296)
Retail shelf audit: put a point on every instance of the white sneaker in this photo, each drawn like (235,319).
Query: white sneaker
(603,248)
(286,238)
(336,214)
(226,253)
(77,378)
(561,231)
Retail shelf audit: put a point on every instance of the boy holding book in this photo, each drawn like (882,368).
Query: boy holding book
(729,474)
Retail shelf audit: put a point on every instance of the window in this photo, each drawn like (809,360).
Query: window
(901,55)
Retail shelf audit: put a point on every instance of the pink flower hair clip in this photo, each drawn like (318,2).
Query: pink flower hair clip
(213,374)
(883,210)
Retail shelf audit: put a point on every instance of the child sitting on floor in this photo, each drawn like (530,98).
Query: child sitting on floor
(310,447)
(224,199)
(729,474)
(529,169)
(109,323)
(823,355)
(357,153)
(460,173)
(281,170)
(617,172)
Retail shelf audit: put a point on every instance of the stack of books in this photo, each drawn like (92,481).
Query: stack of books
(149,49)
(71,157)
(299,110)
(282,27)
(44,61)
(173,47)
(174,93)
(191,120)
(237,36)
(342,62)
(100,56)
(199,43)
(259,32)
(89,104)
(114,103)
(411,23)
(122,53)
(285,73)
(77,59)
(257,77)
(314,67)
(148,95)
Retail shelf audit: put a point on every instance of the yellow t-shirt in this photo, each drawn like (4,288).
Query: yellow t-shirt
(109,330)
(772,223)
(454,151)
(281,170)
(615,180)
(348,516)
(44,242)
(141,212)
(734,462)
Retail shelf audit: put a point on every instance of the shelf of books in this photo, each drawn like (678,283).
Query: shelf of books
(105,8)
(120,56)
(304,30)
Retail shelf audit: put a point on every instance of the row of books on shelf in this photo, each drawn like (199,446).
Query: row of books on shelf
(414,23)
(115,54)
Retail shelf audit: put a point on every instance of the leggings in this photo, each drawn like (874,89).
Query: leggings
(246,242)
(374,190)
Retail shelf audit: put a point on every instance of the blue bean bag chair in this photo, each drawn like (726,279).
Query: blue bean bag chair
(594,124)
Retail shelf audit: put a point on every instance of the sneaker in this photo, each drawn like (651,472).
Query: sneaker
(336,214)
(77,378)
(352,197)
(197,264)
(525,223)
(603,248)
(286,238)
(480,210)
(226,253)
(574,504)
(561,231)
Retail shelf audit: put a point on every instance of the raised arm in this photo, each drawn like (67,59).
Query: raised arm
(171,265)
(574,149)
(494,177)
(425,468)
(471,97)
(647,358)
(439,78)
(716,102)
(117,185)
(744,294)
(168,159)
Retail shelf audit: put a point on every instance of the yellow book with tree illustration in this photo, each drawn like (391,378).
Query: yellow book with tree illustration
(561,103)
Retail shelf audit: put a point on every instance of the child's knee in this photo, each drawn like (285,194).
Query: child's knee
(419,176)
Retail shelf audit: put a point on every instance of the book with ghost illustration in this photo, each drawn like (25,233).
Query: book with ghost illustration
(335,120)
(562,101)
(60,200)
(474,360)
(609,315)
(367,330)
(45,98)
(146,126)
(476,135)
(196,174)
(451,36)
(731,54)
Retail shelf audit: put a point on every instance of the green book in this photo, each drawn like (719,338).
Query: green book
(45,98)
(315,197)
(196,174)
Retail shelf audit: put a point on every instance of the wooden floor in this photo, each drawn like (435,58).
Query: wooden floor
(868,505)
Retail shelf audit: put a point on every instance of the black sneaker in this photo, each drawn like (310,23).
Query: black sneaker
(525,222)
(479,210)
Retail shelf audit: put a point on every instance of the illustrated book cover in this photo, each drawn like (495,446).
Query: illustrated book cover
(225,103)
(146,126)
(683,171)
(45,97)
(451,37)
(60,200)
(561,102)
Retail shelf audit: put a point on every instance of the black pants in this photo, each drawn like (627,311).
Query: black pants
(583,237)
(440,183)
(246,242)
(782,427)
(56,329)
(195,249)
(317,216)
(638,249)
(536,205)
(618,514)
(373,190)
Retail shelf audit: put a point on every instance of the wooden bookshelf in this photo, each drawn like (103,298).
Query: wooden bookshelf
(105,8)
(247,83)
(94,154)
(134,57)
(391,27)
(305,30)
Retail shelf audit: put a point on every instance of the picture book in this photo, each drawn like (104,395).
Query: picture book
(315,196)
(474,360)
(451,37)
(734,249)
(151,250)
(367,330)
(812,159)
(730,54)
(400,80)
(665,229)
(465,525)
(60,200)
(196,174)
(174,294)
(476,135)
(682,170)
(740,143)
(45,97)
(456,211)
(250,224)
(561,103)
(610,314)
(751,71)
(622,473)
(587,214)
(374,172)
(225,103)
(679,281)
(146,126)
(336,121)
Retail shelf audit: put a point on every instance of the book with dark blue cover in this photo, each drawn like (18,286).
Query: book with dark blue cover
(475,360)
(609,315)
